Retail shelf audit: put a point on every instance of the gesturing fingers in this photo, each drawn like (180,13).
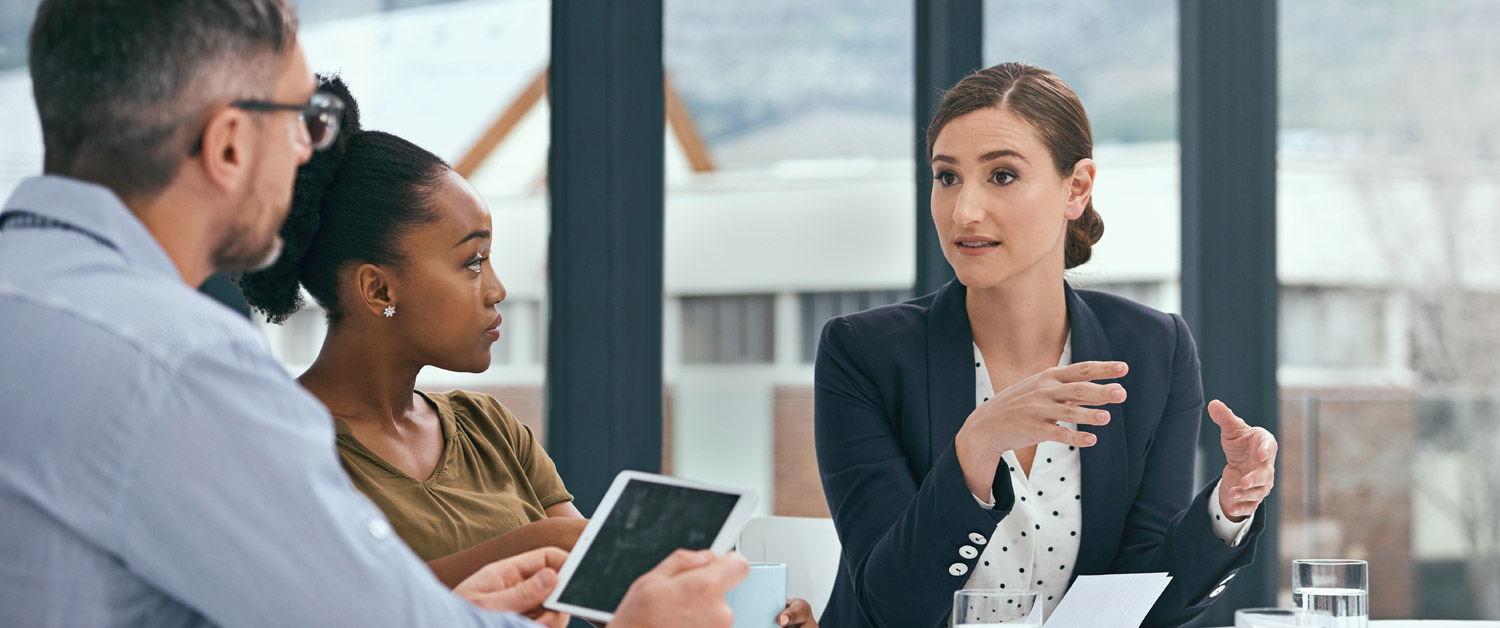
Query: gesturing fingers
(1263,445)
(1090,371)
(1089,393)
(1225,418)
(1260,476)
(1250,449)
(1079,415)
(1060,434)
(1254,494)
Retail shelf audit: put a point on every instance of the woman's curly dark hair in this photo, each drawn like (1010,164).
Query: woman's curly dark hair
(352,203)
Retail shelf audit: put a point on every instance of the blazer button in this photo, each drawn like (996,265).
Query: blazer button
(977,538)
(1217,591)
(958,569)
(968,551)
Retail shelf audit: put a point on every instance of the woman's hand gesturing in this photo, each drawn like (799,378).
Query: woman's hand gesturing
(1250,471)
(1030,412)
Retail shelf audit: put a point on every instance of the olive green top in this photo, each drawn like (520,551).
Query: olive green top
(492,478)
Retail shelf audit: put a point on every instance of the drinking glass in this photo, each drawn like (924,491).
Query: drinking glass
(1340,587)
(1281,618)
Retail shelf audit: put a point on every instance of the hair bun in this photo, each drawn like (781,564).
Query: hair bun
(334,84)
(275,291)
(1083,233)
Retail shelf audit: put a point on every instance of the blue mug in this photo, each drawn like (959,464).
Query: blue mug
(760,598)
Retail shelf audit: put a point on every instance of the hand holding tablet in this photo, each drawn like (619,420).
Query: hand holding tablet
(686,590)
(518,584)
(655,554)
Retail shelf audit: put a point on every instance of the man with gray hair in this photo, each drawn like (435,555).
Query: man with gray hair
(157,466)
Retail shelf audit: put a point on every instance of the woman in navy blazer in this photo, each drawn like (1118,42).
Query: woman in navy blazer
(932,415)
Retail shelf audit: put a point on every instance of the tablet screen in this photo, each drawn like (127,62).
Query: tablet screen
(647,523)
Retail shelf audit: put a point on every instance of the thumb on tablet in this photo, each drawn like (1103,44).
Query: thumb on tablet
(680,561)
(521,597)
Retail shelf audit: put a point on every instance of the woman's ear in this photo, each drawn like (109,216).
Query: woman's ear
(377,291)
(1080,187)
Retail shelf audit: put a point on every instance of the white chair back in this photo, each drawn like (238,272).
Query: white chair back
(809,547)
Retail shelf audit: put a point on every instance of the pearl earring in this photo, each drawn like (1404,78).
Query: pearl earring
(390,310)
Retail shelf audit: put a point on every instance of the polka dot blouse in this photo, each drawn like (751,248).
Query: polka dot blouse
(1036,546)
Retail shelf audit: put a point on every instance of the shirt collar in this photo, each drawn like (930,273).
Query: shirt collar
(97,211)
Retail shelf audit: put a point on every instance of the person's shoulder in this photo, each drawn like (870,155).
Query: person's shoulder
(903,322)
(476,411)
(1123,318)
(140,317)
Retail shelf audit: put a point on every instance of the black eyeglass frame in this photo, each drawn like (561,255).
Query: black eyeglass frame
(322,108)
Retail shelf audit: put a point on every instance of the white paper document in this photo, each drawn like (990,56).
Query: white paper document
(1114,601)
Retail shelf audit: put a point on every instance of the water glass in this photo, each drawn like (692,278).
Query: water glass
(973,608)
(1281,618)
(1340,587)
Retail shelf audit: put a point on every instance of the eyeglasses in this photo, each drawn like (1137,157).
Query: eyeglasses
(321,114)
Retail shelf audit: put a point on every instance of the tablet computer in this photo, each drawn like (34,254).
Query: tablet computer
(643,519)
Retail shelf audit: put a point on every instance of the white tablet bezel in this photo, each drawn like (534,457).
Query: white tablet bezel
(722,543)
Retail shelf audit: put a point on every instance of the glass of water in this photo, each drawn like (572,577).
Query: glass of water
(1281,618)
(1340,587)
(995,607)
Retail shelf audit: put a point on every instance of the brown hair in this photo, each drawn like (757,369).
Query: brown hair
(1049,105)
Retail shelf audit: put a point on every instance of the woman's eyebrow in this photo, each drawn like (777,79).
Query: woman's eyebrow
(481,233)
(990,156)
(1004,152)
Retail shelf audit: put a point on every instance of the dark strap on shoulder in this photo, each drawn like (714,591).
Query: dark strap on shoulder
(22,219)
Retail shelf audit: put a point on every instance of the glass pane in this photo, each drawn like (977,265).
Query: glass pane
(1388,205)
(790,123)
(1121,60)
(20,130)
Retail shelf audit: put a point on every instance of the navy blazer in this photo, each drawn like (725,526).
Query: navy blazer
(895,384)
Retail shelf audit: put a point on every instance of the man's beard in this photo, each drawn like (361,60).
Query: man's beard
(242,250)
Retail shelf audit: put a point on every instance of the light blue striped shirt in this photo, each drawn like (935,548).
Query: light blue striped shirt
(157,466)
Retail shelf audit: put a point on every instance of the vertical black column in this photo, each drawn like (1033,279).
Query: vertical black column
(605,176)
(1229,287)
(949,45)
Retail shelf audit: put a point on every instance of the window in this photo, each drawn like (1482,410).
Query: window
(521,341)
(1333,328)
(728,330)
(819,307)
(788,171)
(1386,161)
(1148,293)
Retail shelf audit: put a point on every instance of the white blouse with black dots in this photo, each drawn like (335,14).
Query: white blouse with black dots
(1036,546)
